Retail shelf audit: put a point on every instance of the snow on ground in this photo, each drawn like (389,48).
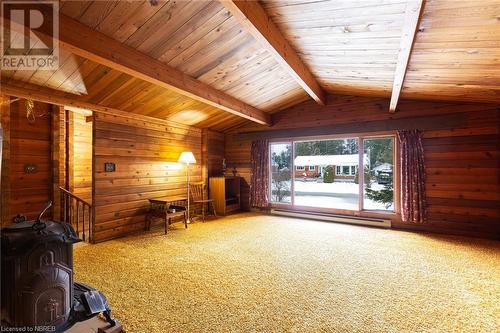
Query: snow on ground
(326,188)
(339,195)
(326,202)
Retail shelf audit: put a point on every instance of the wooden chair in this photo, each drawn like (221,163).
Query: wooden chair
(198,190)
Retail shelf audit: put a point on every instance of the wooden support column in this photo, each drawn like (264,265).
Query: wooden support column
(58,157)
(5,163)
(69,157)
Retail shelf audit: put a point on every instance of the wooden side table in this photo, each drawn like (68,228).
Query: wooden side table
(168,208)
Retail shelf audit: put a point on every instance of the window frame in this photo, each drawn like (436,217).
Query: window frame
(300,168)
(270,181)
(313,168)
(361,212)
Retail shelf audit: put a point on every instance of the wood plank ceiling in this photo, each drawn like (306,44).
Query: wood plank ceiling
(351,47)
(199,38)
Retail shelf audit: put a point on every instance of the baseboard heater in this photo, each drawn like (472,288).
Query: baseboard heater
(374,222)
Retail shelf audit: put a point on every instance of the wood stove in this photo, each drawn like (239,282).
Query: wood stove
(37,287)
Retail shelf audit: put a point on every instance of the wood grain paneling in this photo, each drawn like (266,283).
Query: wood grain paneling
(81,157)
(145,152)
(58,156)
(30,144)
(5,161)
(213,152)
(351,47)
(461,143)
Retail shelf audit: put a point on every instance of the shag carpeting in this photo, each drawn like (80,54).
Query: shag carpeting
(253,273)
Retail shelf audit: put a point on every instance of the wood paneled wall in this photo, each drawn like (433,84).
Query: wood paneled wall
(5,159)
(58,156)
(145,151)
(213,152)
(461,150)
(30,144)
(238,155)
(80,156)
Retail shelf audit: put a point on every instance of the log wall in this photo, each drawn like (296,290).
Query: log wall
(145,151)
(461,150)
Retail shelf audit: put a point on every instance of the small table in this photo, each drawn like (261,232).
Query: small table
(167,208)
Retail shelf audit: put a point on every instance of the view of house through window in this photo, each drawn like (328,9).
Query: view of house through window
(326,173)
(329,180)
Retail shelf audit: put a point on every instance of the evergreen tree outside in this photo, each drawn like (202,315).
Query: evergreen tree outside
(380,151)
(326,147)
(329,175)
(385,196)
(281,175)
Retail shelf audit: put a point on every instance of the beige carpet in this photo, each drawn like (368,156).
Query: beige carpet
(252,273)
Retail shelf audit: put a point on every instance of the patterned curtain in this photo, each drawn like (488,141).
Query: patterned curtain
(259,185)
(413,208)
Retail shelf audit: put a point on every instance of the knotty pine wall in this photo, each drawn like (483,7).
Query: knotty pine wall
(29,143)
(461,151)
(145,151)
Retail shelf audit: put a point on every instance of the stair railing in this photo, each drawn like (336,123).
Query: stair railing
(78,213)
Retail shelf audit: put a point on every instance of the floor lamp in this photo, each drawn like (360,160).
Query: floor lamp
(187,158)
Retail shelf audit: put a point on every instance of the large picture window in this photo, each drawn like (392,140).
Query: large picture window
(326,173)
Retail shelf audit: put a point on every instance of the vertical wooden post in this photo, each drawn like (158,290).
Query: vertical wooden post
(5,163)
(94,203)
(69,160)
(58,157)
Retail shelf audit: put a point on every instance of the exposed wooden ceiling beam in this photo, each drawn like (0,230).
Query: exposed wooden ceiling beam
(95,46)
(255,19)
(413,13)
(56,97)
(48,95)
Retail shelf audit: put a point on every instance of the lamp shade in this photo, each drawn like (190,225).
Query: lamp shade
(186,157)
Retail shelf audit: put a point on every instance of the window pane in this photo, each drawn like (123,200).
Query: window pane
(378,175)
(281,176)
(330,184)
